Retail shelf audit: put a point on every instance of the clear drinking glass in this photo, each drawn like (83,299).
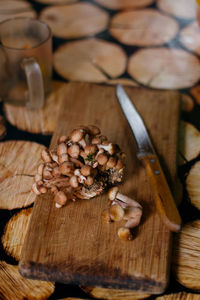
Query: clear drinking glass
(25,61)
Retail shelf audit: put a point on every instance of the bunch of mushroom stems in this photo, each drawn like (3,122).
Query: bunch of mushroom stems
(75,162)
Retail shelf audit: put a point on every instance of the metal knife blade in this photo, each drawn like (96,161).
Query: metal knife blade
(165,204)
(136,123)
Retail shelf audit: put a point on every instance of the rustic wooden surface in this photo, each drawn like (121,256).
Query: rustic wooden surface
(18,162)
(73,244)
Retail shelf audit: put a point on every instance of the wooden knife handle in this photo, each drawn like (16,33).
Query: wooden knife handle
(165,203)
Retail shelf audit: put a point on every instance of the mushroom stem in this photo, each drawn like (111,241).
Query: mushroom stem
(128,200)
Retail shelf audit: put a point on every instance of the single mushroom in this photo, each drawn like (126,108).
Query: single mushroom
(60,199)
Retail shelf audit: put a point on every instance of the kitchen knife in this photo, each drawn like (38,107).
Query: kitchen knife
(165,204)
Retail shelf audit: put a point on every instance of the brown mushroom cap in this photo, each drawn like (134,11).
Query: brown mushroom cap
(86,170)
(102,159)
(77,135)
(60,198)
(112,193)
(74,151)
(66,167)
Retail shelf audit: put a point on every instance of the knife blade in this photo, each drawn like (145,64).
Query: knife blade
(164,200)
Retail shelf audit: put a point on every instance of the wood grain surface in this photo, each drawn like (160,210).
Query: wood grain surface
(73,244)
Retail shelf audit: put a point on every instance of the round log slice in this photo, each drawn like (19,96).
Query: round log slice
(164,68)
(2,127)
(190,37)
(76,20)
(185,259)
(123,4)
(38,121)
(146,27)
(14,6)
(14,286)
(181,8)
(91,60)
(192,184)
(114,294)
(18,164)
(187,103)
(189,141)
(55,2)
(180,296)
(195,92)
(29,14)
(15,232)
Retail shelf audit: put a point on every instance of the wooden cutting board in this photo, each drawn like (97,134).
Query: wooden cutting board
(73,244)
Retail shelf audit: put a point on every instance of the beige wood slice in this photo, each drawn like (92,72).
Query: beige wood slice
(124,4)
(189,141)
(181,8)
(18,164)
(15,232)
(91,60)
(185,259)
(180,296)
(146,27)
(14,6)
(164,68)
(192,185)
(195,92)
(56,2)
(187,103)
(114,294)
(75,20)
(190,37)
(28,14)
(73,244)
(39,121)
(14,286)
(2,127)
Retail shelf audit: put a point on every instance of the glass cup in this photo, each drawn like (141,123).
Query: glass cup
(25,62)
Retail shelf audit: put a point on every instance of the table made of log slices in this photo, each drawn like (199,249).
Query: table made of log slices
(73,244)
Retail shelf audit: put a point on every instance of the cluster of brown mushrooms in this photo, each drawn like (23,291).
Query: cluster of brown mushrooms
(82,166)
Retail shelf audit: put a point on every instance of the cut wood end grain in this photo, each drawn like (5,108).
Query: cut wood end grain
(132,27)
(164,68)
(193,186)
(15,232)
(76,20)
(180,296)
(14,286)
(181,9)
(187,103)
(29,14)
(195,92)
(189,142)
(56,2)
(114,294)
(190,37)
(39,121)
(124,4)
(185,258)
(85,60)
(10,6)
(2,128)
(18,163)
